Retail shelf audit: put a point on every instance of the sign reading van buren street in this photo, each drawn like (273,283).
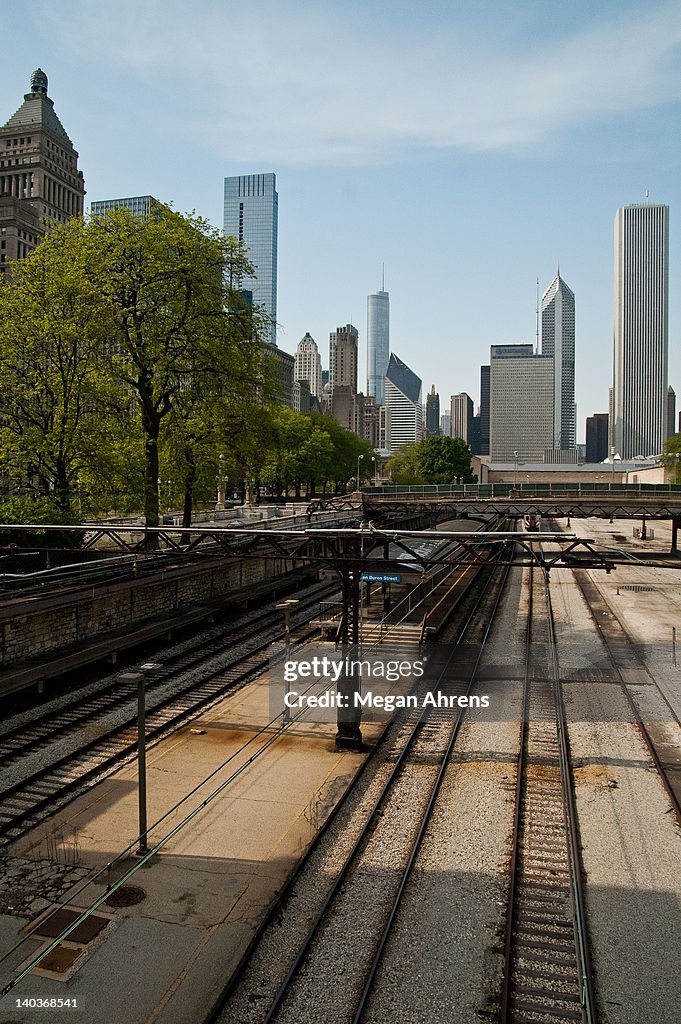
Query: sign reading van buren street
(381,577)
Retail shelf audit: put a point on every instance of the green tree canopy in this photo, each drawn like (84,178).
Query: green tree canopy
(671,458)
(445,460)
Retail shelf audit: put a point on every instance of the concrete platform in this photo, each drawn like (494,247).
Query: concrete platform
(167,958)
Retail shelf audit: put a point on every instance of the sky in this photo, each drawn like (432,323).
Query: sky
(470,146)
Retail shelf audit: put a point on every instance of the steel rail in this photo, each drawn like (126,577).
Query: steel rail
(369,823)
(523,825)
(515,834)
(589,1005)
(640,724)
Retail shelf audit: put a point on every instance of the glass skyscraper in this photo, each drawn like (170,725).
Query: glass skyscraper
(378,343)
(139,206)
(558,341)
(251,216)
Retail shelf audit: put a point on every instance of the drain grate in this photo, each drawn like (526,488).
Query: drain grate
(126,896)
(637,588)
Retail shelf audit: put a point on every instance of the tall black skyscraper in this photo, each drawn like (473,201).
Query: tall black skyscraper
(484,410)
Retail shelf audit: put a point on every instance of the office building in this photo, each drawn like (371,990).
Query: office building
(138,206)
(432,413)
(484,410)
(372,422)
(284,365)
(461,412)
(671,411)
(404,412)
(343,357)
(558,343)
(641,329)
(251,211)
(597,437)
(446,424)
(347,408)
(309,364)
(521,404)
(40,183)
(378,343)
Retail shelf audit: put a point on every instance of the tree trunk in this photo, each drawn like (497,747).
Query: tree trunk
(189,481)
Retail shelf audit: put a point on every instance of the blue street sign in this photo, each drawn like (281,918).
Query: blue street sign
(381,577)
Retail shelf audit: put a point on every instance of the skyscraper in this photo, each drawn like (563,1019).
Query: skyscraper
(404,412)
(558,342)
(597,437)
(39,177)
(671,411)
(251,216)
(308,364)
(378,343)
(432,413)
(138,206)
(641,329)
(484,410)
(462,417)
(343,357)
(521,404)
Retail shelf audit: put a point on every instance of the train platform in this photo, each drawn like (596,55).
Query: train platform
(164,945)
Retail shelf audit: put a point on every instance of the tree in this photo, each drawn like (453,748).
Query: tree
(174,337)
(671,458)
(403,467)
(56,399)
(445,460)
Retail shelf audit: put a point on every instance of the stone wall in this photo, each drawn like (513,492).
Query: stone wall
(44,624)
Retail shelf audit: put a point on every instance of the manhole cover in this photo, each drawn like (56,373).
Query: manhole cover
(126,896)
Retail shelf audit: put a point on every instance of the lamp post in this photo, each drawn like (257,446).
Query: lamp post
(359,459)
(220,504)
(515,469)
(285,607)
(373,470)
(615,455)
(143,847)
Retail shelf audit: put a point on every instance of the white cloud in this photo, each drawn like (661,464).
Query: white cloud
(285,83)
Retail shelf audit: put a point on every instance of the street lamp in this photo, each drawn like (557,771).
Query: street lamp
(220,504)
(359,459)
(148,667)
(515,471)
(373,470)
(285,607)
(615,455)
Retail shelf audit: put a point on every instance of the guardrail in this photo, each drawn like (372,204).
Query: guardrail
(508,490)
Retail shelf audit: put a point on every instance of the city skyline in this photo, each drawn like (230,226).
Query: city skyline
(467,189)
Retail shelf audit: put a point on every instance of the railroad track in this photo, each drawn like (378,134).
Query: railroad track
(354,918)
(547,973)
(661,732)
(662,738)
(49,726)
(175,697)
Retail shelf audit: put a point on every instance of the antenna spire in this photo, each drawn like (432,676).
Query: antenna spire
(382,277)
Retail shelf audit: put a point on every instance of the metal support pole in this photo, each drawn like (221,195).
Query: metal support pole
(674,645)
(349,716)
(141,768)
(675,532)
(644,533)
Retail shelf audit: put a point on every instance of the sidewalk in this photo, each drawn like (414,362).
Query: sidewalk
(166,958)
